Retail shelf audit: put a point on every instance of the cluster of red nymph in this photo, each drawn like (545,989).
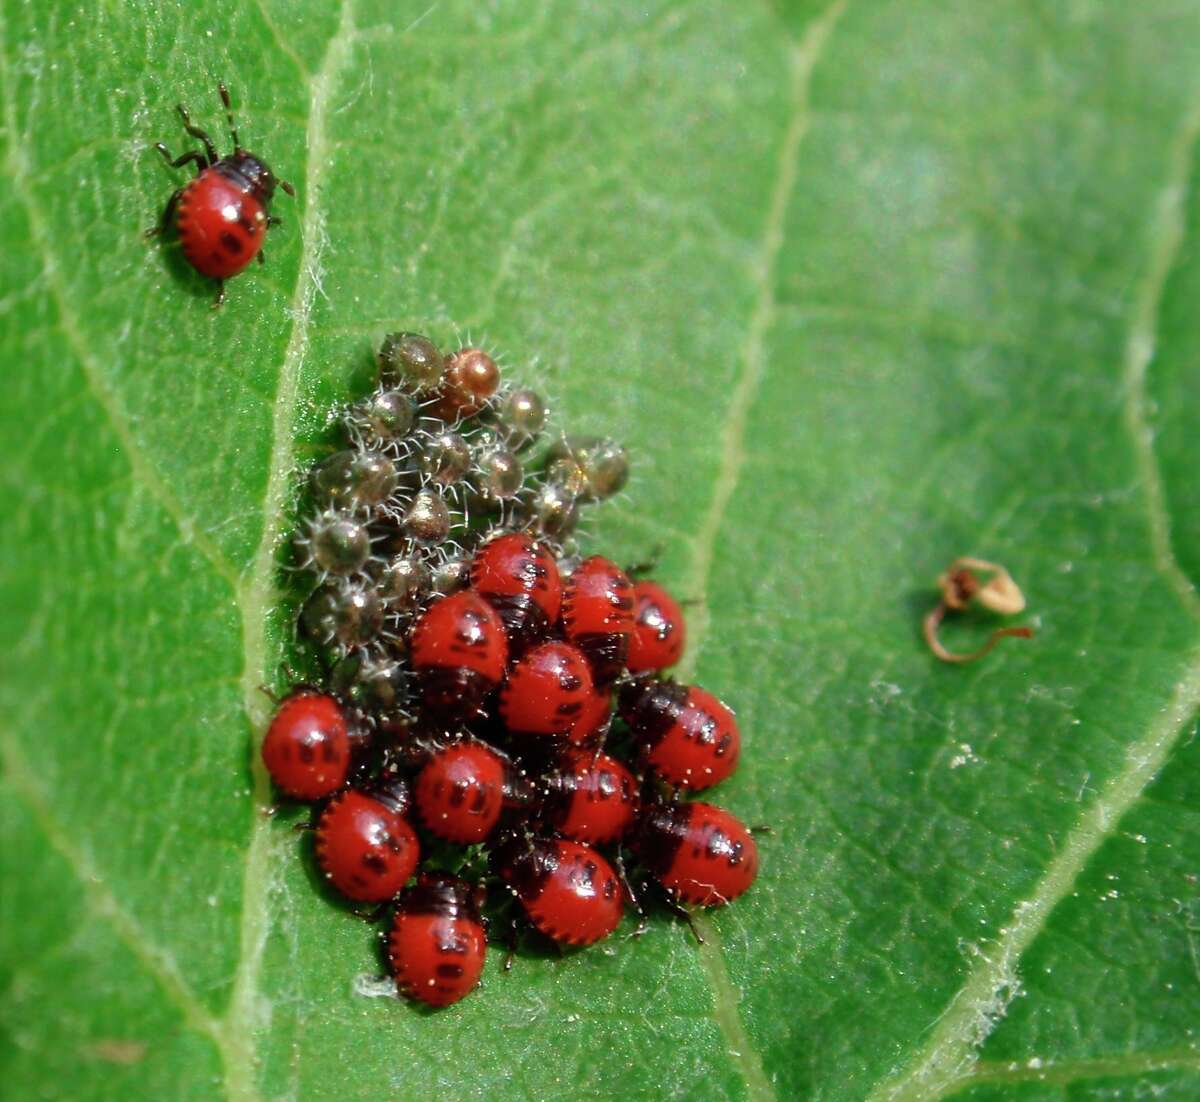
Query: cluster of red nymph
(506,722)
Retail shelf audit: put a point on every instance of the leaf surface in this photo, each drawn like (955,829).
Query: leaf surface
(864,287)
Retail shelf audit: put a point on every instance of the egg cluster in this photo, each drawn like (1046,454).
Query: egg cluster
(493,712)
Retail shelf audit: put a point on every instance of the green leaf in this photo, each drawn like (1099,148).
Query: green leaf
(864,287)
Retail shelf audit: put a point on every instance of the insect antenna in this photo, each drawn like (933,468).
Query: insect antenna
(237,142)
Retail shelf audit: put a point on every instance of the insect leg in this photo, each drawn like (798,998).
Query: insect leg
(191,157)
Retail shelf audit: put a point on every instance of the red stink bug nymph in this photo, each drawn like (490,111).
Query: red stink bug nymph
(588,797)
(659,634)
(699,852)
(686,735)
(569,892)
(459,651)
(307,748)
(437,944)
(463,789)
(519,578)
(597,616)
(547,691)
(223,215)
(365,846)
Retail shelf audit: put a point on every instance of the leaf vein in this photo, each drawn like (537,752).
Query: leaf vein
(141,468)
(1167,236)
(951,1048)
(158,963)
(1066,1072)
(983,998)
(803,57)
(272,29)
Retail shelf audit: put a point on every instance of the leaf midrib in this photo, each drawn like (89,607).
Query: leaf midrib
(259,592)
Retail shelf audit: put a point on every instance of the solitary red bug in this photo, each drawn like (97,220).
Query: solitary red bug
(546,691)
(462,790)
(519,578)
(223,215)
(588,797)
(569,891)
(699,852)
(365,846)
(659,634)
(597,616)
(459,651)
(307,748)
(686,735)
(437,944)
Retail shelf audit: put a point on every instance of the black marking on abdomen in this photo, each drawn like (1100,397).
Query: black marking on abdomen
(453,691)
(606,653)
(376,862)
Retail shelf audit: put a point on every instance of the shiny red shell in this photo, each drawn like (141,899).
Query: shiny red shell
(221,225)
(459,651)
(437,943)
(519,578)
(567,889)
(366,849)
(461,631)
(597,615)
(513,564)
(589,797)
(659,634)
(459,792)
(307,747)
(701,748)
(686,735)
(700,852)
(547,690)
